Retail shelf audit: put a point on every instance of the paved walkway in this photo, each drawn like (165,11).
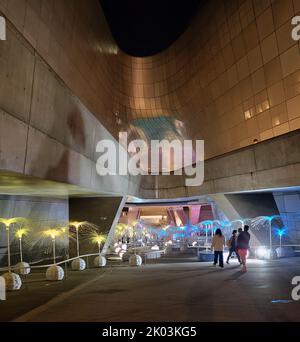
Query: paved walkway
(178,292)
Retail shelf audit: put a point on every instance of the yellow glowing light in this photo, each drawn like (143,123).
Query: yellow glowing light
(22,232)
(120,228)
(130,231)
(266,105)
(9,222)
(248,115)
(77,224)
(64,230)
(98,238)
(53,233)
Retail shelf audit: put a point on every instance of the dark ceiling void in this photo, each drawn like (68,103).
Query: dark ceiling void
(146,27)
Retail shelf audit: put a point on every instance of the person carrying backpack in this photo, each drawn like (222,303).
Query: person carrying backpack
(232,245)
(243,241)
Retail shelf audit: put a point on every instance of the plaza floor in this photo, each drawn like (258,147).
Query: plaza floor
(167,290)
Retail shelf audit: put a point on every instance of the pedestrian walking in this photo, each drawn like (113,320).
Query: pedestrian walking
(218,244)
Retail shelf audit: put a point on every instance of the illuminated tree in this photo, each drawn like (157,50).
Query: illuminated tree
(98,239)
(53,233)
(20,233)
(8,223)
(77,226)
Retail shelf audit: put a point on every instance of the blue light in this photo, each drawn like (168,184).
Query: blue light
(207,222)
(162,233)
(281,232)
(271,218)
(178,235)
(284,301)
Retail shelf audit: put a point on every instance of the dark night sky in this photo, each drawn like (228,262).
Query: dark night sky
(146,27)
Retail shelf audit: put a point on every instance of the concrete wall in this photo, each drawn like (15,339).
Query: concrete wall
(41,213)
(61,74)
(270,164)
(45,130)
(72,37)
(253,205)
(289,208)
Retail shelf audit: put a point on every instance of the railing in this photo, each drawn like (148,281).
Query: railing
(3,269)
(57,263)
(252,247)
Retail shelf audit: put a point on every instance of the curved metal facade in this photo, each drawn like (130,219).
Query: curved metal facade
(232,79)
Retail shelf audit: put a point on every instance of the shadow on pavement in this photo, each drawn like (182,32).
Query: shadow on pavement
(236,275)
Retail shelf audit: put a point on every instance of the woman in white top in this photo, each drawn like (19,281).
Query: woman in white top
(218,244)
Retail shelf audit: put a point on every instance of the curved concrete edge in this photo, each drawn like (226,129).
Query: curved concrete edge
(272,164)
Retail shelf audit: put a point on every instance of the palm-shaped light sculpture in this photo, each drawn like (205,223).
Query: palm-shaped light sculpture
(208,224)
(12,280)
(281,232)
(22,267)
(120,229)
(269,220)
(100,261)
(54,272)
(20,233)
(98,239)
(53,233)
(78,264)
(77,225)
(8,223)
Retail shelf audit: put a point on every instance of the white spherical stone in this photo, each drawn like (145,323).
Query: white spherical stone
(100,261)
(22,268)
(54,273)
(78,264)
(118,249)
(13,281)
(135,260)
(121,253)
(125,256)
(168,249)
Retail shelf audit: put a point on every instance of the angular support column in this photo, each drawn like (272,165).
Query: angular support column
(113,227)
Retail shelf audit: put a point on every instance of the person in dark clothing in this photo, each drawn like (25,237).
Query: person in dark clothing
(243,241)
(240,230)
(232,244)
